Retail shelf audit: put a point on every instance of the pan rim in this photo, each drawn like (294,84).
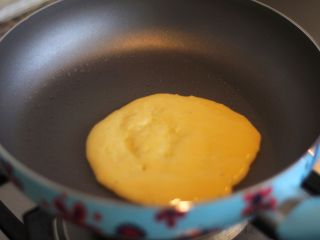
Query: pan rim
(58,187)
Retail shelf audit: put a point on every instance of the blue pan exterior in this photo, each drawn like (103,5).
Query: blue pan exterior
(182,220)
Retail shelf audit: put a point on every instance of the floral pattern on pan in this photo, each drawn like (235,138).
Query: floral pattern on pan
(258,200)
(113,218)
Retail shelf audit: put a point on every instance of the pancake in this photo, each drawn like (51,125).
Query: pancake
(164,147)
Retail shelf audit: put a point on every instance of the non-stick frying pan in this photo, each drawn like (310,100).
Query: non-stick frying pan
(71,64)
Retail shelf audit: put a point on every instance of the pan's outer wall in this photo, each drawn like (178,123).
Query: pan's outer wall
(70,65)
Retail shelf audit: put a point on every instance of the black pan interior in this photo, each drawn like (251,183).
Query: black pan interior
(70,65)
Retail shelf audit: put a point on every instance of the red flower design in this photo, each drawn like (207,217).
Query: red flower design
(10,173)
(170,216)
(261,199)
(77,213)
(97,217)
(130,231)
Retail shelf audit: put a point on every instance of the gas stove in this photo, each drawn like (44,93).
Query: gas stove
(21,219)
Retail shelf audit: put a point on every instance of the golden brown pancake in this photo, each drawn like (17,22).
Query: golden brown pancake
(165,146)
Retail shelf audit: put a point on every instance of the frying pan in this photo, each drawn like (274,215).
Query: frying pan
(72,63)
